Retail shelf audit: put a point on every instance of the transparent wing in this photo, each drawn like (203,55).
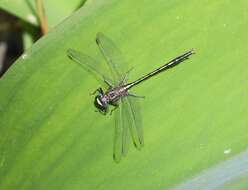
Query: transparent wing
(90,65)
(112,56)
(127,119)
(118,132)
(125,134)
(121,134)
(131,113)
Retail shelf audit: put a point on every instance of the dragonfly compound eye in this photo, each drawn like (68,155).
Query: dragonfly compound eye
(100,105)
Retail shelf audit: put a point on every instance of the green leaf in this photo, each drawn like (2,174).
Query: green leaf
(25,10)
(51,138)
(55,10)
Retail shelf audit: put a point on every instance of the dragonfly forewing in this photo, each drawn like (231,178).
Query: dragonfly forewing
(113,57)
(90,65)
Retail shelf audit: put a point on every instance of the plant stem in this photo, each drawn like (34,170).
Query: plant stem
(42,16)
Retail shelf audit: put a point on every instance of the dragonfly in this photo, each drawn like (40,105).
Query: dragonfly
(116,93)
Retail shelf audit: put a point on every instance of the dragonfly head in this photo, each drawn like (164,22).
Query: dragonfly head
(100,104)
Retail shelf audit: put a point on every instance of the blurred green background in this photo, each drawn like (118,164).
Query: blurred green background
(194,116)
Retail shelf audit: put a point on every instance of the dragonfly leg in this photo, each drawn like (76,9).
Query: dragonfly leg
(94,92)
(99,90)
(108,83)
(103,113)
(125,77)
(115,107)
(135,96)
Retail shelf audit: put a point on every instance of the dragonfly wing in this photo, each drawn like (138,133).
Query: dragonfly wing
(112,56)
(121,133)
(133,120)
(90,65)
(118,134)
(125,134)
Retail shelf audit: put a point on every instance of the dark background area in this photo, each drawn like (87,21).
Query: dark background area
(11,39)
